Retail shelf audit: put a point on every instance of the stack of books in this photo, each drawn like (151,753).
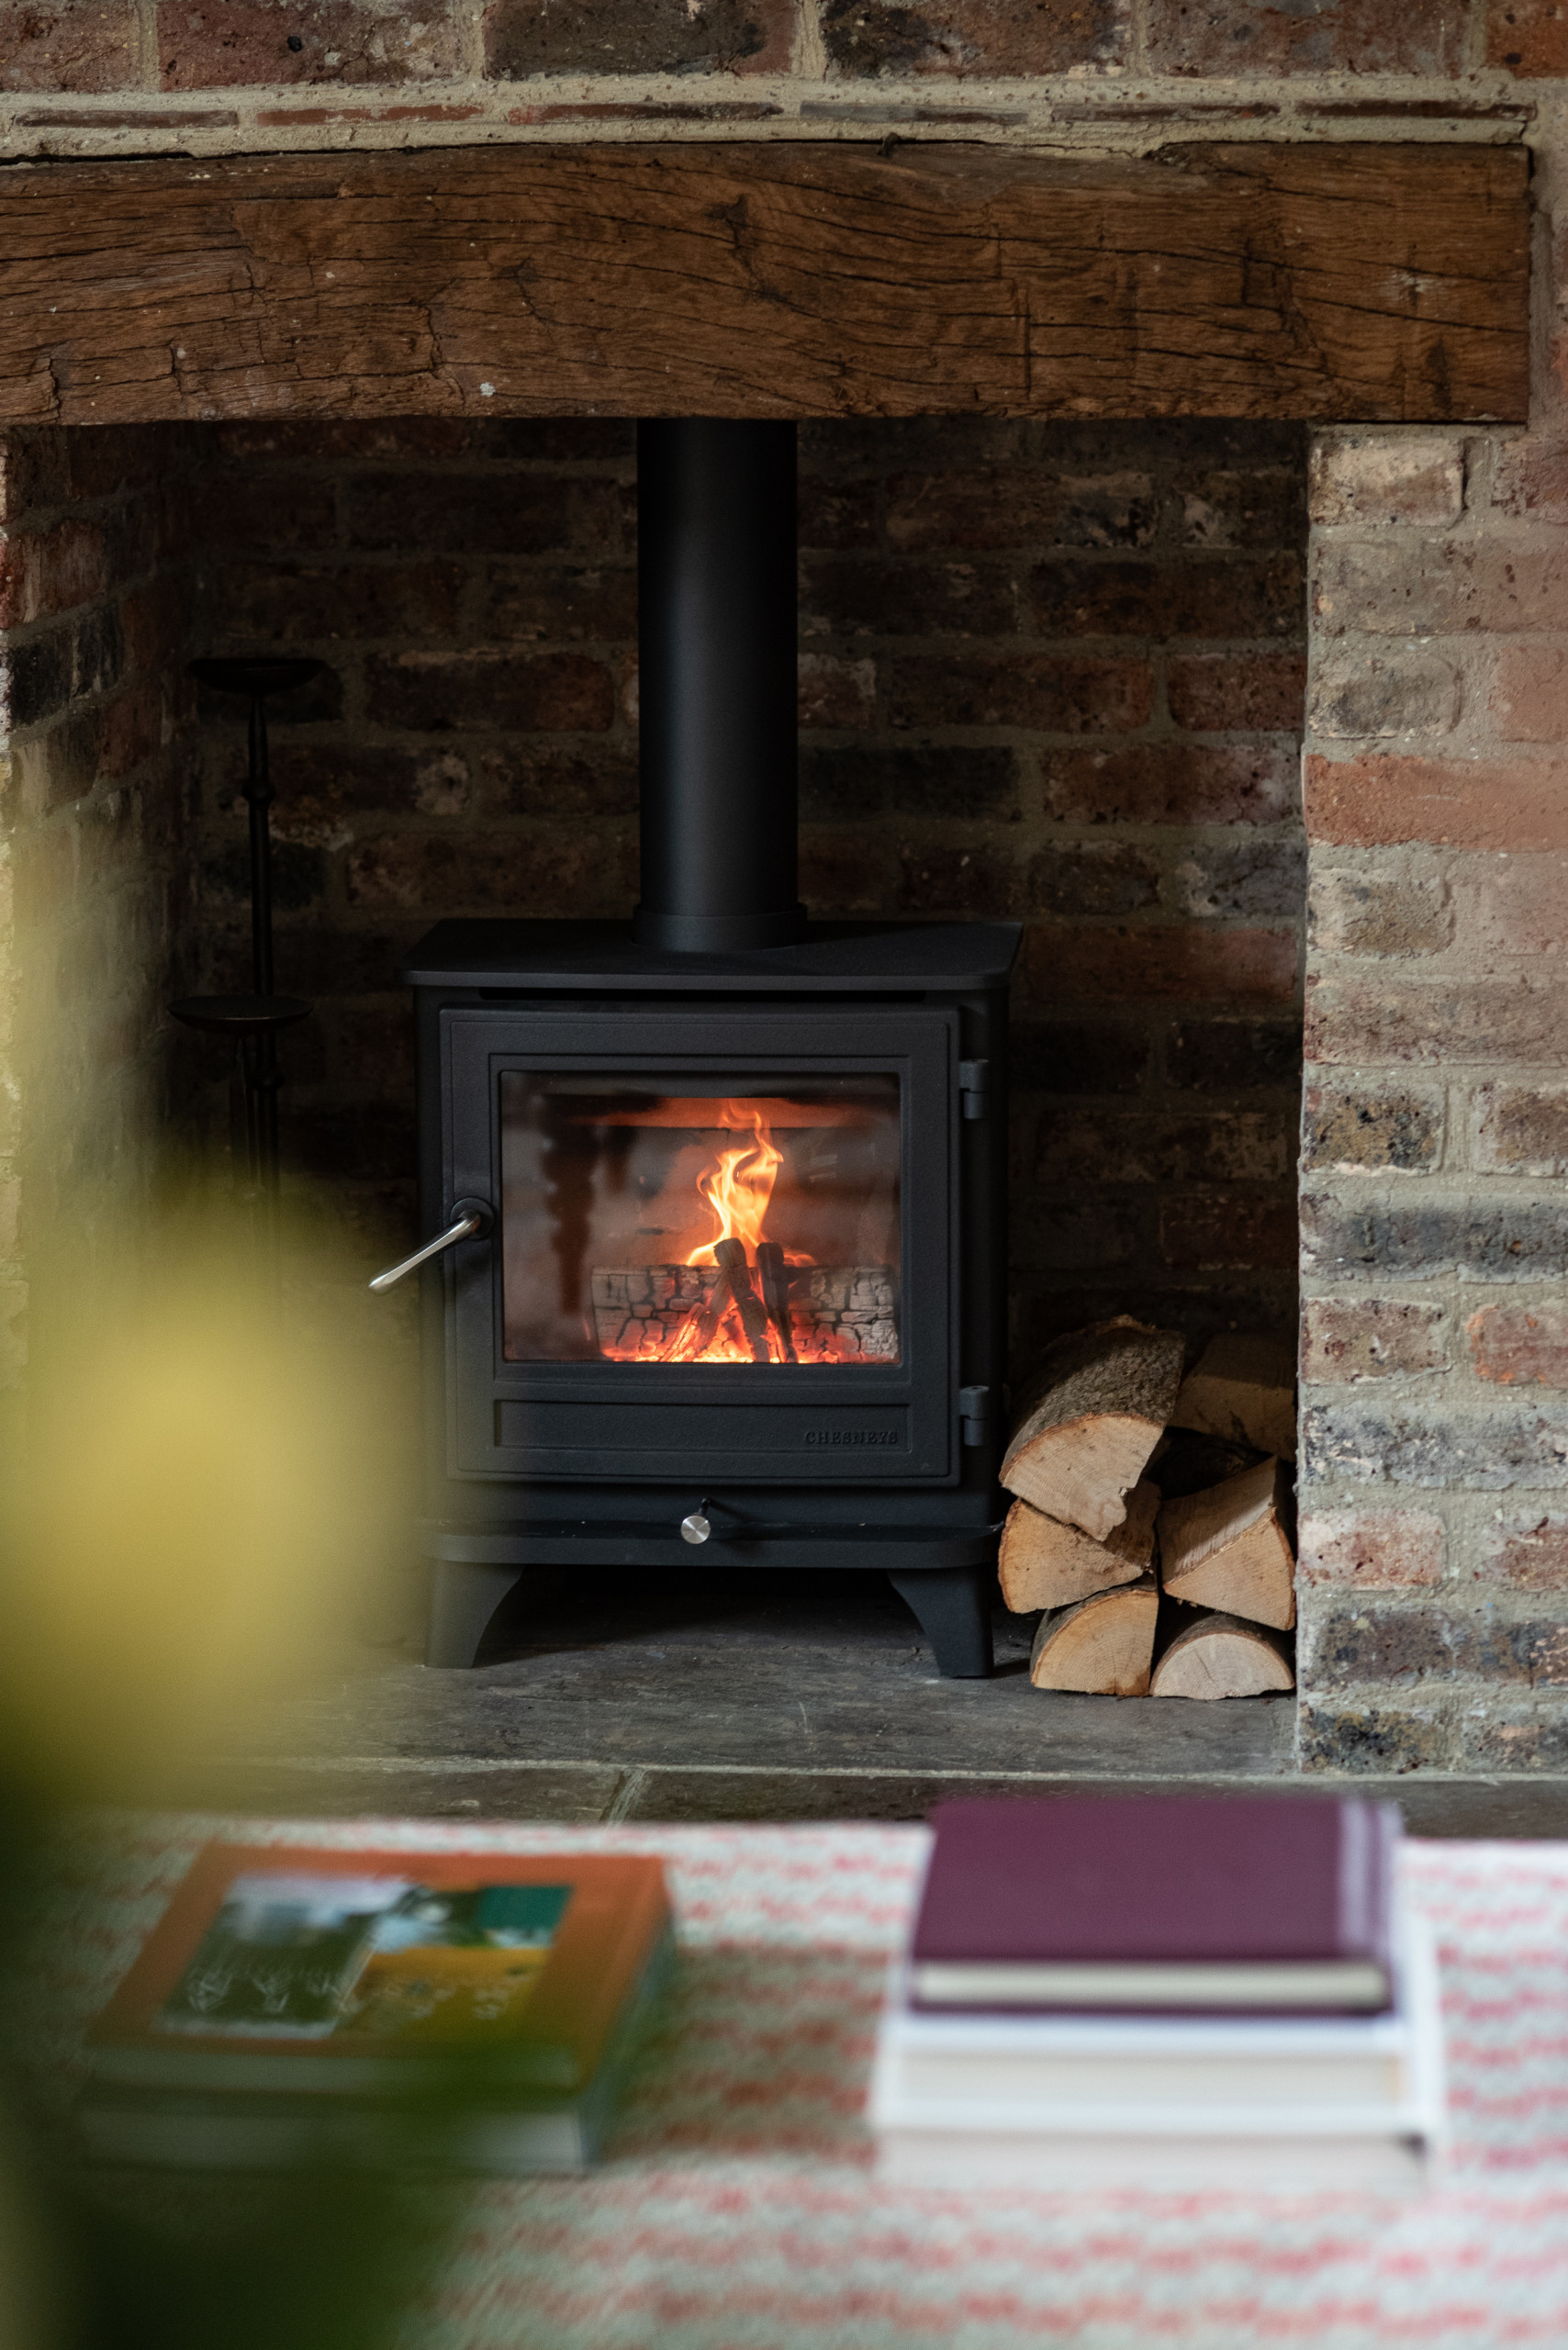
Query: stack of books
(300,2007)
(1163,1993)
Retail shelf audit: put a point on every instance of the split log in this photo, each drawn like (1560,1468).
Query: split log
(1045,1564)
(1243,1387)
(1090,1420)
(1228,1547)
(1223,1657)
(1104,1645)
(774,1275)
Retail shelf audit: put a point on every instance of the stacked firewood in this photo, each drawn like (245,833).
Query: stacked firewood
(1153,1517)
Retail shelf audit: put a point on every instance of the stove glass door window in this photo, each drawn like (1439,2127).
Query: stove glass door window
(699,1225)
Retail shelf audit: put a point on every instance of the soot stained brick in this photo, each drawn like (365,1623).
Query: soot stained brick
(1513,1446)
(993,37)
(471,513)
(1233,1055)
(1365,1132)
(1476,1240)
(1332,1738)
(527,37)
(1077,1057)
(1093,878)
(1239,596)
(1251,880)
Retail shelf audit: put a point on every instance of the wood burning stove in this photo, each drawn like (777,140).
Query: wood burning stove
(717,1198)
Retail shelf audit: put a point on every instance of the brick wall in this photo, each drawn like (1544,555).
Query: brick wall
(1436,1343)
(120,76)
(95,796)
(1056,674)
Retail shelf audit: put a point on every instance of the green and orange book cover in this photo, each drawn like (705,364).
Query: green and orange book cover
(306,1969)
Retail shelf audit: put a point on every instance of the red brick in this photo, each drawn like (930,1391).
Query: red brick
(546,692)
(846,870)
(535,873)
(1229,692)
(1381,799)
(1519,906)
(1520,1345)
(834,693)
(1097,1146)
(1061,693)
(1250,507)
(1371,1549)
(945,879)
(1227,1228)
(1351,1338)
(1410,692)
(287,117)
(1529,693)
(223,44)
(1410,587)
(857,596)
(987,37)
(1170,964)
(528,36)
(1529,37)
(1527,1552)
(1379,480)
(1092,877)
(46,572)
(1368,1131)
(68,45)
(1173,783)
(1521,1131)
(1019,507)
(255,510)
(1530,475)
(1355,914)
(297,603)
(1436,1020)
(1214,596)
(1239,37)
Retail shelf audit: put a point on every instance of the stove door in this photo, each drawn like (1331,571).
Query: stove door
(725,1247)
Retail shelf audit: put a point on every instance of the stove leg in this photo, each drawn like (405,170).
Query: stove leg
(462,1600)
(952,1606)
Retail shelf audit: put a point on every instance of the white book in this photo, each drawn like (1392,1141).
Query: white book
(1081,2114)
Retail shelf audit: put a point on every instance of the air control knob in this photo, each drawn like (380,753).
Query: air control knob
(695,1528)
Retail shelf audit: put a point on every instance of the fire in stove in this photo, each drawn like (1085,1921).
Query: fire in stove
(685,1228)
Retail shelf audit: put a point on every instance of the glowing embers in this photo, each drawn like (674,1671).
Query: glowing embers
(741,1297)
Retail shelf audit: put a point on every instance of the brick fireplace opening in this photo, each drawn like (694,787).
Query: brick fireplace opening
(1051,669)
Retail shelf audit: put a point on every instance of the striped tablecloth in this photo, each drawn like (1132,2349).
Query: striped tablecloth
(740,2210)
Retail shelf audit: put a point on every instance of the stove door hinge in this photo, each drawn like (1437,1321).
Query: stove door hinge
(977,1409)
(974,1087)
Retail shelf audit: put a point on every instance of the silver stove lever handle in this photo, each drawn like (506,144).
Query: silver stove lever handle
(472,1221)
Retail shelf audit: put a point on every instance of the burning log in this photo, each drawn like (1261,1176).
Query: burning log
(731,1257)
(834,1314)
(775,1278)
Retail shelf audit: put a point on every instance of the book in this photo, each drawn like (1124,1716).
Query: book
(1165,1903)
(443,2002)
(1174,2103)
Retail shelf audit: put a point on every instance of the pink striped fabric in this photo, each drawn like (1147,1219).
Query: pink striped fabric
(739,2210)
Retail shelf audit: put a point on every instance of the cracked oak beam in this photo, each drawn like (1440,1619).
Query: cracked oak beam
(1354,283)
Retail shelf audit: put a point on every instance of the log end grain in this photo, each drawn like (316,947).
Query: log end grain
(1223,1657)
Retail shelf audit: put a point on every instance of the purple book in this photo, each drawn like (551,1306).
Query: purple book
(1212,1904)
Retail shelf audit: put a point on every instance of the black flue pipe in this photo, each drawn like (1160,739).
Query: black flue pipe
(716,656)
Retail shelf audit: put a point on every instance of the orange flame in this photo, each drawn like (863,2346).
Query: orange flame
(739,1188)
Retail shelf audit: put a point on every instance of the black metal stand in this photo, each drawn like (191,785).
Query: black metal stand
(253,1023)
(462,1600)
(952,1606)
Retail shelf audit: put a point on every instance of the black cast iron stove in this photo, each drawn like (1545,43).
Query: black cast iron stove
(716,1198)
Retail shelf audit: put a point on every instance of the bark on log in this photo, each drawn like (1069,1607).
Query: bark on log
(1104,1646)
(1228,1549)
(772,278)
(1243,1387)
(1088,1425)
(1044,1564)
(1185,1462)
(1223,1657)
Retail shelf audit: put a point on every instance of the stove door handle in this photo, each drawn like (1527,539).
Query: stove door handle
(472,1220)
